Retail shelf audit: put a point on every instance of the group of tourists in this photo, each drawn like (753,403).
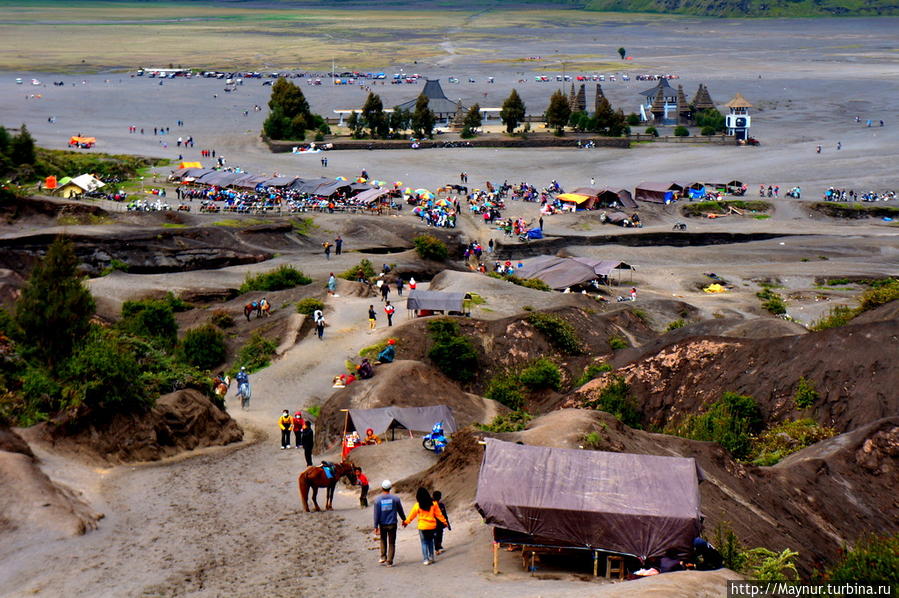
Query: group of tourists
(304,437)
(833,194)
(432,518)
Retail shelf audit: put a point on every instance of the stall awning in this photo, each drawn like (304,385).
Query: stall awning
(573,197)
(416,419)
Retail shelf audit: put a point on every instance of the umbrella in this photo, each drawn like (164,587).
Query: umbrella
(340,178)
(398,184)
(361,179)
(442,202)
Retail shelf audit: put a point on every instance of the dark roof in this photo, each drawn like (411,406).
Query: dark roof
(437,100)
(626,503)
(418,419)
(667,90)
(436,301)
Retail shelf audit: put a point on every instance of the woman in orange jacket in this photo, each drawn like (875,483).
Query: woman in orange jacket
(428,513)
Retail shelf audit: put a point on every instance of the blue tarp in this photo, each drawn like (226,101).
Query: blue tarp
(535,233)
(696,193)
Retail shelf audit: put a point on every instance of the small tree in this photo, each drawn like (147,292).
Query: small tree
(707,131)
(203,347)
(55,308)
(472,121)
(681,131)
(430,247)
(622,52)
(356,125)
(633,119)
(423,119)
(558,112)
(712,119)
(21,148)
(373,114)
(512,112)
(400,120)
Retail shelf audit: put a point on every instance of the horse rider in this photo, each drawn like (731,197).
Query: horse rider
(243,387)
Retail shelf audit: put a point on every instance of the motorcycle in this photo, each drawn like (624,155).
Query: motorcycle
(435,441)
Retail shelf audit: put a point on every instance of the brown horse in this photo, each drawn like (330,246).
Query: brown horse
(315,478)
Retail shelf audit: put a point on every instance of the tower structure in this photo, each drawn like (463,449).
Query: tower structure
(737,120)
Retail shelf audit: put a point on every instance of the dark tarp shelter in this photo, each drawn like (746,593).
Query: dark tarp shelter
(563,272)
(249,181)
(415,419)
(657,192)
(309,185)
(279,181)
(436,301)
(330,188)
(603,267)
(631,504)
(371,196)
(626,199)
(193,173)
(219,178)
(606,197)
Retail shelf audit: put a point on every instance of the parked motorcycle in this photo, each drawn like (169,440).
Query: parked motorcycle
(435,441)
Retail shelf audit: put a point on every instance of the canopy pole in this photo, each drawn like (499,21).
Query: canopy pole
(346,421)
(496,558)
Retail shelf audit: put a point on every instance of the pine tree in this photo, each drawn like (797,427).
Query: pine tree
(472,121)
(5,140)
(373,114)
(21,148)
(513,112)
(558,112)
(400,120)
(55,308)
(423,118)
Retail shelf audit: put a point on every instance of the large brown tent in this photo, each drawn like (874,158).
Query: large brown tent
(657,192)
(630,504)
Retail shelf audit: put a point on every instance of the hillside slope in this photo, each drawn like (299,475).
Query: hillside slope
(751,8)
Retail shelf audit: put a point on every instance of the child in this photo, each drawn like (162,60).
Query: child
(438,534)
(362,480)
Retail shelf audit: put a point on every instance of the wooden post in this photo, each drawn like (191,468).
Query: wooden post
(595,563)
(496,558)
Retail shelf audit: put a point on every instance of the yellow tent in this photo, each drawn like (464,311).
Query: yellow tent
(576,198)
(191,165)
(714,288)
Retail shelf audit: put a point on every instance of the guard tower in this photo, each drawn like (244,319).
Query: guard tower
(738,120)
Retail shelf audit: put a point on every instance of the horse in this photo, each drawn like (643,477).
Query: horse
(249,308)
(315,478)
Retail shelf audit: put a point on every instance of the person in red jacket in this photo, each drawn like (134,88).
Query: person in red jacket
(298,422)
(362,480)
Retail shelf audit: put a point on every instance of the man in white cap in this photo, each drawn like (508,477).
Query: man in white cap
(387,508)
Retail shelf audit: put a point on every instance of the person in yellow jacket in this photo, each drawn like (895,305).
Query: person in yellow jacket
(286,424)
(428,513)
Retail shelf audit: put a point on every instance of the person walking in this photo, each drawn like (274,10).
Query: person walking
(541,222)
(385,290)
(332,285)
(307,438)
(372,317)
(399,286)
(428,514)
(362,480)
(389,309)
(438,533)
(298,422)
(327,247)
(285,423)
(388,509)
(338,245)
(319,318)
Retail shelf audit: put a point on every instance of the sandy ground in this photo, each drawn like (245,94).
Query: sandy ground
(227,522)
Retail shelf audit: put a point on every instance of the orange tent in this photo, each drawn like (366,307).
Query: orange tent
(191,165)
(75,140)
(50,182)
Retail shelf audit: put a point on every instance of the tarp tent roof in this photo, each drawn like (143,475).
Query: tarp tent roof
(603,267)
(576,198)
(371,196)
(249,181)
(438,103)
(330,188)
(190,165)
(279,181)
(87,182)
(435,301)
(534,265)
(219,178)
(655,192)
(309,185)
(419,419)
(632,504)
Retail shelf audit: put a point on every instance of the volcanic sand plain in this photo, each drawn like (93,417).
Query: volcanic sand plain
(227,521)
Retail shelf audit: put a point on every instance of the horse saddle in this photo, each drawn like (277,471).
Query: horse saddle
(328,468)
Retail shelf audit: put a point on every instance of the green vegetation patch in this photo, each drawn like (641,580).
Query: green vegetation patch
(308,305)
(363,270)
(775,443)
(880,292)
(729,421)
(530,283)
(874,558)
(514,421)
(557,331)
(855,210)
(616,399)
(542,373)
(701,208)
(591,372)
(452,352)
(430,247)
(283,277)
(256,354)
(772,302)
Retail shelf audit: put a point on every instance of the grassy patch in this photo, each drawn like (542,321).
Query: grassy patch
(616,399)
(238,222)
(114,265)
(371,351)
(701,208)
(256,354)
(855,210)
(775,443)
(729,421)
(505,389)
(675,324)
(530,283)
(283,277)
(514,421)
(304,226)
(451,351)
(618,342)
(477,299)
(593,371)
(557,331)
(364,269)
(308,305)
(880,292)
(772,302)
(542,373)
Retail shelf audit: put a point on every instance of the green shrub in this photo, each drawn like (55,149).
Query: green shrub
(364,269)
(371,351)
(642,315)
(839,315)
(557,331)
(772,302)
(430,247)
(282,277)
(592,371)
(541,373)
(592,440)
(652,131)
(707,131)
(255,354)
(775,443)
(880,293)
(618,342)
(874,558)
(730,422)
(514,421)
(455,356)
(615,399)
(506,389)
(535,283)
(729,547)
(308,305)
(443,328)
(114,265)
(203,347)
(176,303)
(313,411)
(805,394)
(103,373)
(151,319)
(675,324)
(41,394)
(681,131)
(222,319)
(765,565)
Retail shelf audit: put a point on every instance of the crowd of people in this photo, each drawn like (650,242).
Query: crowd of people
(429,510)
(833,194)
